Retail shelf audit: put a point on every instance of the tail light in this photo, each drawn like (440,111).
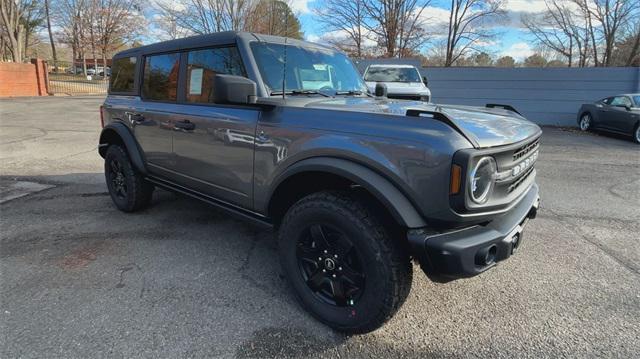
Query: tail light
(102,116)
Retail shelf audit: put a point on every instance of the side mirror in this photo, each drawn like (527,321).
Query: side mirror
(425,81)
(234,90)
(381,90)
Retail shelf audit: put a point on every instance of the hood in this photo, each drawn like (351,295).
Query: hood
(402,88)
(483,127)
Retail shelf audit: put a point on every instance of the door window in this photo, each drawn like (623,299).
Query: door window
(621,101)
(203,65)
(160,80)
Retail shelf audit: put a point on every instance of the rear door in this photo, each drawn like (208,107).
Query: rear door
(213,144)
(151,120)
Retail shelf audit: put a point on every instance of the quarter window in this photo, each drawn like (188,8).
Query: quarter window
(160,80)
(203,65)
(123,74)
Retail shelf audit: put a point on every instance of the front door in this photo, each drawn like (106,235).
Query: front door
(213,144)
(620,117)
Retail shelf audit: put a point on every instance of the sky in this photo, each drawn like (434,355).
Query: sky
(512,41)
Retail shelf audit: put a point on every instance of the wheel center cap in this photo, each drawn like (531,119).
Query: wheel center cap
(329,264)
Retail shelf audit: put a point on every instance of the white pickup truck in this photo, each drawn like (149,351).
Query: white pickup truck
(402,81)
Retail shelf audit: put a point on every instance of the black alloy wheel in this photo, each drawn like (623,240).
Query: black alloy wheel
(330,265)
(117,177)
(128,188)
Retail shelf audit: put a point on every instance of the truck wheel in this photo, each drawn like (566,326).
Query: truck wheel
(343,265)
(128,189)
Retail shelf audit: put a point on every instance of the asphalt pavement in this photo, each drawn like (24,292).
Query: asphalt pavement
(80,279)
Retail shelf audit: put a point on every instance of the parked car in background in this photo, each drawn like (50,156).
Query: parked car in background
(74,70)
(618,114)
(106,72)
(403,81)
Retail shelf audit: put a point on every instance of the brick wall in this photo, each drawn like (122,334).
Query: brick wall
(23,79)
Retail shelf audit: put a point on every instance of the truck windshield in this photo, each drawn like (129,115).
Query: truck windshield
(392,74)
(307,69)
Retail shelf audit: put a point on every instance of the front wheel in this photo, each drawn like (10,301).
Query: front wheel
(585,122)
(636,134)
(343,265)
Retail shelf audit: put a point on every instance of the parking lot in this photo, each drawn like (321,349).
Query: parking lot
(80,279)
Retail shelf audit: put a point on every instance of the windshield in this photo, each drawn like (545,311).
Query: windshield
(307,69)
(392,74)
(636,99)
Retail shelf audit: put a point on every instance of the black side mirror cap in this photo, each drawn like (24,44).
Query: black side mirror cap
(425,81)
(234,90)
(381,90)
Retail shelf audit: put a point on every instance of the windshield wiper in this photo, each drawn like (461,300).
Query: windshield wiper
(353,93)
(299,92)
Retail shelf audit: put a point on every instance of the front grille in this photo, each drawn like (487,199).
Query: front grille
(522,151)
(519,181)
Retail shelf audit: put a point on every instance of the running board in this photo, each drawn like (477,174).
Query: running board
(228,207)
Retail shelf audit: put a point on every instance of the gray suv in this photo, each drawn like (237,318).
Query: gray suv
(284,133)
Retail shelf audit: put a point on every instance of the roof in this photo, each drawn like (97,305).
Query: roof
(215,39)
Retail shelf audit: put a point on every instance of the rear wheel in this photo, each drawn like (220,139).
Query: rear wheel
(128,188)
(636,134)
(343,265)
(585,122)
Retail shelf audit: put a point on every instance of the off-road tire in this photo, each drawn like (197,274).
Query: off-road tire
(138,190)
(388,269)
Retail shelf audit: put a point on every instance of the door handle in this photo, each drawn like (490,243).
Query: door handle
(184,125)
(134,118)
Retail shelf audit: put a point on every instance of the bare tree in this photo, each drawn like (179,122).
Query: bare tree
(273,17)
(69,17)
(347,17)
(466,21)
(53,44)
(206,16)
(557,30)
(398,25)
(606,19)
(16,20)
(116,23)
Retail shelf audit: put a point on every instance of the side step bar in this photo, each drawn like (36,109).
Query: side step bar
(228,207)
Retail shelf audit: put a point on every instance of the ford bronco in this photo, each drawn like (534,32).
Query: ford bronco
(355,185)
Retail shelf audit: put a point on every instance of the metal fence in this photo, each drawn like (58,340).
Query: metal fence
(77,84)
(550,96)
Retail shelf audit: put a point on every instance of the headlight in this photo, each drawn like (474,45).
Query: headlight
(481,180)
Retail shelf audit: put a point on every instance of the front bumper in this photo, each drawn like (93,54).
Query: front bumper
(466,252)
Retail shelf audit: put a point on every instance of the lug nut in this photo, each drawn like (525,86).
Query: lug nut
(324,271)
(325,251)
(339,268)
(334,276)
(335,256)
(319,258)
